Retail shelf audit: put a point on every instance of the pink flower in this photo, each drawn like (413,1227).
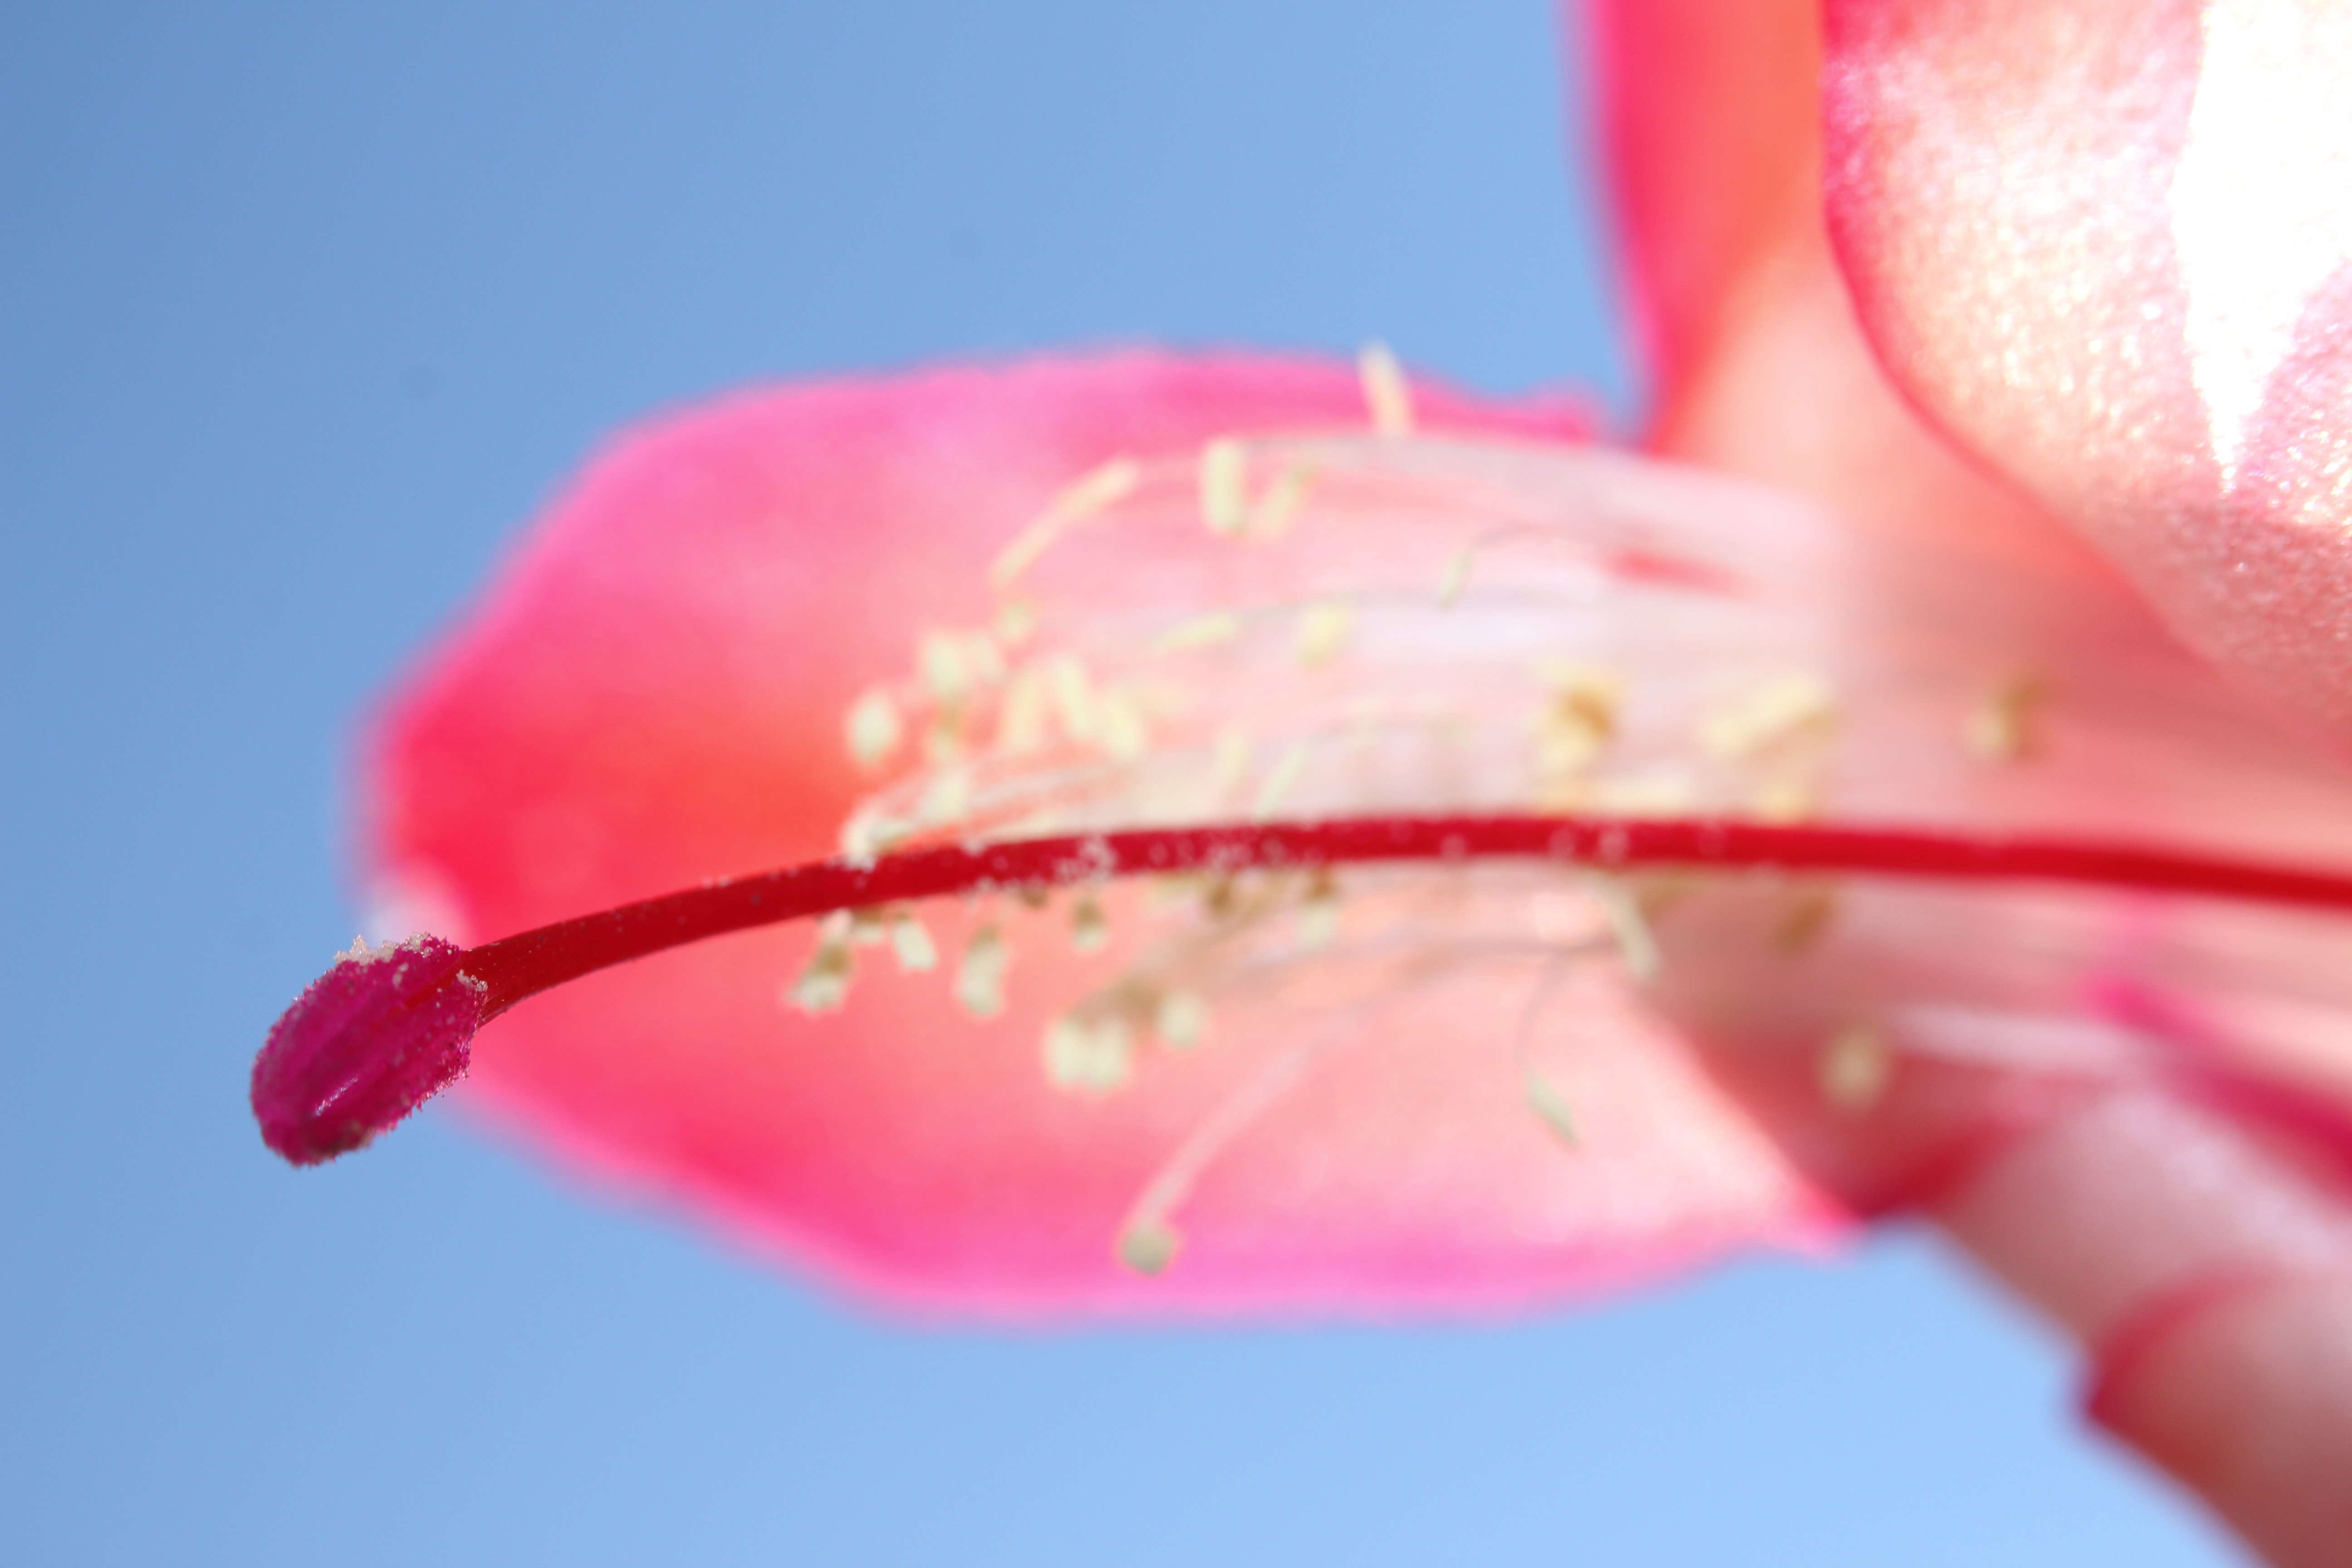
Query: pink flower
(1789,825)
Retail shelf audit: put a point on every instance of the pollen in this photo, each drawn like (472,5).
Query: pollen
(1318,911)
(1094,492)
(1550,1106)
(912,944)
(1148,1247)
(2005,726)
(1090,1056)
(1278,504)
(1629,923)
(1016,622)
(823,985)
(980,978)
(1323,630)
(1386,393)
(1180,1019)
(873,729)
(1805,918)
(1021,718)
(1120,727)
(1785,708)
(1456,578)
(953,664)
(1090,927)
(1225,495)
(1854,1068)
(948,796)
(1200,631)
(1579,719)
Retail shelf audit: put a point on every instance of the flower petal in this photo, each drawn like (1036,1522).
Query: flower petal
(2105,243)
(1708,110)
(1288,1096)
(654,694)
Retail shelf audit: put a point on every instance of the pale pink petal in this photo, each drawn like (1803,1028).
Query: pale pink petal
(2104,242)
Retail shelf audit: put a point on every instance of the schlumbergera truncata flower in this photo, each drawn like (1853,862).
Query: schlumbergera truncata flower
(1262,835)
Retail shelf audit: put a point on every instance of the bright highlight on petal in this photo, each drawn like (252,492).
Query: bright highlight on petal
(2268,127)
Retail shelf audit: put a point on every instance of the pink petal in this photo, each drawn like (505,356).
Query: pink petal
(1707,112)
(653,695)
(2104,243)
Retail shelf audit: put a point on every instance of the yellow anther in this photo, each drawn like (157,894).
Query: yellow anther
(1200,631)
(873,728)
(1628,924)
(1808,915)
(1786,800)
(1149,1246)
(1663,791)
(1280,501)
(1545,1099)
(979,977)
(953,664)
(1854,1068)
(1580,718)
(824,982)
(1090,1056)
(1071,694)
(1120,727)
(1021,717)
(1097,492)
(1386,393)
(1318,911)
(1323,630)
(1224,477)
(947,797)
(1456,578)
(867,928)
(1090,927)
(1786,707)
(1278,783)
(2006,726)
(1016,622)
(1180,1019)
(911,943)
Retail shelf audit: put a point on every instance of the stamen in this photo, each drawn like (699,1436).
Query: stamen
(1225,500)
(2005,726)
(1855,1068)
(1278,783)
(912,944)
(1782,709)
(874,728)
(1090,1056)
(1386,392)
(1545,1099)
(1323,630)
(1280,501)
(1148,1248)
(1089,928)
(1180,1019)
(980,978)
(1094,492)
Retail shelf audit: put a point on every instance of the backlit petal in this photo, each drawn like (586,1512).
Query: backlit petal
(2105,243)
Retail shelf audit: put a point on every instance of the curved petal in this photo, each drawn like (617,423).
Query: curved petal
(2106,244)
(1707,112)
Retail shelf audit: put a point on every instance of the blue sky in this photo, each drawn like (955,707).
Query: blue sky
(302,309)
